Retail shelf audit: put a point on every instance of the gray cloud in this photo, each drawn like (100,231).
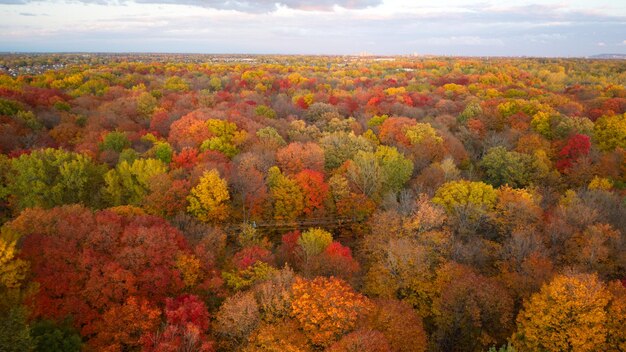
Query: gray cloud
(251,6)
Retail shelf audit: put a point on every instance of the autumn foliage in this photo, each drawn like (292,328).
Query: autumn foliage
(166,202)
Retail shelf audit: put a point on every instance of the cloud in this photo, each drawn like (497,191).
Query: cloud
(251,6)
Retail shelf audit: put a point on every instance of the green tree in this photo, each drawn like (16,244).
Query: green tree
(504,167)
(52,337)
(341,146)
(51,177)
(396,168)
(129,183)
(226,138)
(14,330)
(115,141)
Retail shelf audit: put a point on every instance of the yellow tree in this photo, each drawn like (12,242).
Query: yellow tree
(573,313)
(208,200)
(12,270)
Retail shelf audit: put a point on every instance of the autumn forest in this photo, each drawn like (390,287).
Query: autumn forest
(169,203)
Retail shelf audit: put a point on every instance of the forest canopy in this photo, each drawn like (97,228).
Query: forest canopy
(279,203)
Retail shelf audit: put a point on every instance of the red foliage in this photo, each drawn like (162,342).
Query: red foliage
(186,158)
(250,255)
(85,262)
(187,322)
(339,260)
(187,309)
(577,146)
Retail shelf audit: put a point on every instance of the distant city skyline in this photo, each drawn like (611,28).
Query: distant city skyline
(325,27)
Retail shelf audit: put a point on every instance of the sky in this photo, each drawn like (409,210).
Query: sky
(337,27)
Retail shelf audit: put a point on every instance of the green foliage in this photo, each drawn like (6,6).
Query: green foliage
(128,183)
(377,120)
(51,337)
(341,146)
(271,136)
(504,167)
(9,107)
(51,177)
(395,167)
(226,138)
(244,279)
(115,141)
(472,110)
(128,155)
(62,106)
(29,119)
(383,171)
(94,86)
(265,111)
(215,83)
(164,152)
(14,330)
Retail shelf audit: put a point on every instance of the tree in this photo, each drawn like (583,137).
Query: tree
(208,200)
(504,167)
(115,141)
(188,132)
(297,157)
(340,146)
(129,183)
(51,337)
(315,190)
(314,241)
(361,340)
(224,138)
(461,194)
(113,257)
(237,318)
(187,321)
(51,177)
(577,146)
(399,323)
(167,196)
(574,312)
(287,196)
(14,329)
(385,170)
(12,269)
(472,312)
(609,132)
(122,327)
(326,308)
(395,167)
(422,133)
